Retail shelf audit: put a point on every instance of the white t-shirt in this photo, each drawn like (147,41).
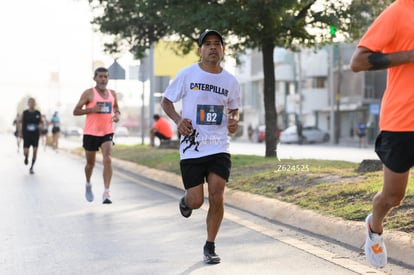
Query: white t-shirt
(206,98)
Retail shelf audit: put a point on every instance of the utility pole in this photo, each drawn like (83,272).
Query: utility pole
(334,120)
(331,94)
(338,97)
(152,81)
(299,87)
(143,76)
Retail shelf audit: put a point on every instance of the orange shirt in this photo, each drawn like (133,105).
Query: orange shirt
(100,124)
(393,31)
(163,127)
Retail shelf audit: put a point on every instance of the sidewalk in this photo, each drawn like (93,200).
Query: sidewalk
(400,246)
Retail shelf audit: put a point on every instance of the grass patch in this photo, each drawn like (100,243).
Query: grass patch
(328,187)
(163,159)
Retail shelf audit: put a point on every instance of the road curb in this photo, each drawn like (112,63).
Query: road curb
(400,245)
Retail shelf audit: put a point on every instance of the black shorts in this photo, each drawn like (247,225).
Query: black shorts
(44,132)
(396,150)
(31,139)
(93,143)
(195,171)
(55,129)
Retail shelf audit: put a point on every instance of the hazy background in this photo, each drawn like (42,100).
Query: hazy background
(47,51)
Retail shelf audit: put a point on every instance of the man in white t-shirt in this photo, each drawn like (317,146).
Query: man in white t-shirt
(210,110)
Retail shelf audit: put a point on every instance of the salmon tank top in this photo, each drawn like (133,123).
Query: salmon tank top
(100,124)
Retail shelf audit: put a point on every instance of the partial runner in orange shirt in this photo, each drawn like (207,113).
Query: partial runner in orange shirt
(161,129)
(389,44)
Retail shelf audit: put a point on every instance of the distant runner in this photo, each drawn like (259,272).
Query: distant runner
(55,120)
(31,122)
(100,106)
(44,131)
(17,134)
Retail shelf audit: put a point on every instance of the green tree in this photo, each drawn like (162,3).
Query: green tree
(257,24)
(363,13)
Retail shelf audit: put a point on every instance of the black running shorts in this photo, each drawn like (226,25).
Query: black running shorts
(31,139)
(396,150)
(55,129)
(93,143)
(195,171)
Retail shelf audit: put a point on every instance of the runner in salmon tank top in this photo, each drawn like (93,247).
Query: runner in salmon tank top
(100,106)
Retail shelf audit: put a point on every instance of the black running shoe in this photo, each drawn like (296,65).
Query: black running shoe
(106,201)
(31,171)
(210,256)
(184,209)
(106,198)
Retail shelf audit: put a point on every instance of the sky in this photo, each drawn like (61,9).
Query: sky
(47,50)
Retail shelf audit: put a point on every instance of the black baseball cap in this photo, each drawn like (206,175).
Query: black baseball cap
(207,32)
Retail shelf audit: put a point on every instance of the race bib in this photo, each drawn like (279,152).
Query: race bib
(106,107)
(31,127)
(209,114)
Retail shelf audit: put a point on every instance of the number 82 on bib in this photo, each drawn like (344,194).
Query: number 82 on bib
(209,114)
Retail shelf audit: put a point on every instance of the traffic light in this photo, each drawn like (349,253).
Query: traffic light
(332,30)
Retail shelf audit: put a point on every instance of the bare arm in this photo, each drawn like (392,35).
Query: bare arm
(85,99)
(169,109)
(364,59)
(117,113)
(20,125)
(184,126)
(40,125)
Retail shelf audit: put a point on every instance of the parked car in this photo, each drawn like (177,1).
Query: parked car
(310,134)
(121,131)
(72,131)
(261,133)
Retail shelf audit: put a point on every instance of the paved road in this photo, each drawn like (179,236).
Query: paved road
(47,227)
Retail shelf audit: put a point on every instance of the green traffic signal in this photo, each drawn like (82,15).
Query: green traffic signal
(332,30)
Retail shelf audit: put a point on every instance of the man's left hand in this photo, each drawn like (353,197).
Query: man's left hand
(233,121)
(232,125)
(115,118)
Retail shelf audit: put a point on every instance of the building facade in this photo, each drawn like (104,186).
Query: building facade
(313,87)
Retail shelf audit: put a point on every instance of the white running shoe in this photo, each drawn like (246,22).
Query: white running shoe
(374,246)
(88,192)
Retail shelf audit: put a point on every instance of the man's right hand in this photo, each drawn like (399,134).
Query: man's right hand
(96,109)
(185,127)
